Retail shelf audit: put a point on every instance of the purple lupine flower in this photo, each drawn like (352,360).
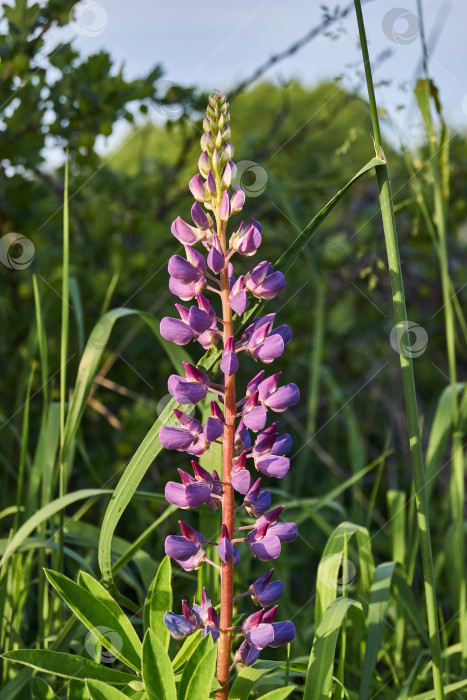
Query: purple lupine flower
(187,549)
(240,476)
(269,452)
(208,616)
(238,297)
(263,342)
(265,592)
(263,282)
(187,270)
(191,436)
(258,633)
(186,234)
(189,389)
(215,203)
(225,549)
(257,502)
(246,654)
(216,259)
(247,239)
(198,617)
(203,487)
(229,362)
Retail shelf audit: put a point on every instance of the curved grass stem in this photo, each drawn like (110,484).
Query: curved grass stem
(400,312)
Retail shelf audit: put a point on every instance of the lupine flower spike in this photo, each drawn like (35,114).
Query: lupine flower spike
(195,275)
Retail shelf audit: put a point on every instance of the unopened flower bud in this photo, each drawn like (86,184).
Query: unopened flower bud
(218,141)
(226,134)
(216,161)
(227,153)
(206,125)
(203,164)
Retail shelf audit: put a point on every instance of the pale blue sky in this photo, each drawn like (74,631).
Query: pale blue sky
(216,44)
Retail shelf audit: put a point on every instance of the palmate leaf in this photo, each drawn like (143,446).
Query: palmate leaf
(150,446)
(248,676)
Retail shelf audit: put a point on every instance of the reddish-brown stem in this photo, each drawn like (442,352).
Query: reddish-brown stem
(228,504)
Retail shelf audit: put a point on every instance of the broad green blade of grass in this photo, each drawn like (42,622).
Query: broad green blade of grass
(41,473)
(320,667)
(380,597)
(327,581)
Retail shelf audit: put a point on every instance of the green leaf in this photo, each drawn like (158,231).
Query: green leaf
(158,675)
(319,676)
(99,593)
(102,691)
(202,678)
(77,690)
(159,602)
(279,694)
(328,569)
(103,624)
(67,665)
(42,690)
(186,650)
(379,603)
(248,676)
(201,651)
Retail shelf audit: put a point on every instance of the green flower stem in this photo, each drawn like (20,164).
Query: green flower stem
(408,380)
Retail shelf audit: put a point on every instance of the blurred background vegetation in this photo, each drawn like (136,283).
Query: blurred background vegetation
(337,301)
